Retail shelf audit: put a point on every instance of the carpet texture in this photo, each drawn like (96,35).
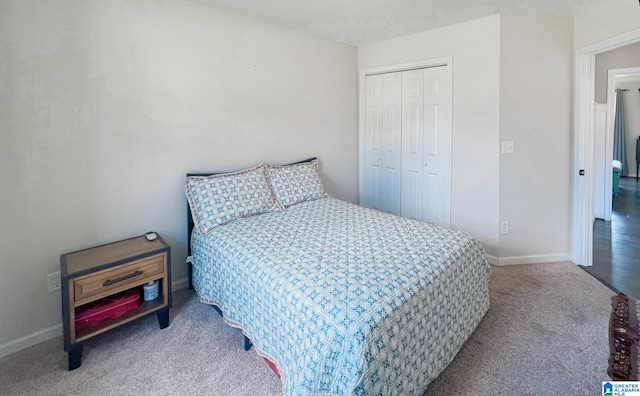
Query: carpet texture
(545,333)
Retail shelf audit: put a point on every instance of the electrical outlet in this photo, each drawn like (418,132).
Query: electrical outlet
(53,282)
(504,227)
(508,147)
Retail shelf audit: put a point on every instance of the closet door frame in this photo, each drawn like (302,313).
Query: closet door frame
(445,61)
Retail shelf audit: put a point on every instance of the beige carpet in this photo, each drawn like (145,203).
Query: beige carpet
(546,333)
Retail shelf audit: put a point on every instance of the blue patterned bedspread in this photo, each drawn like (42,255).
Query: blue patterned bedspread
(346,300)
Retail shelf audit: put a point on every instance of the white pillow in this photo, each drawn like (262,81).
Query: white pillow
(296,183)
(221,198)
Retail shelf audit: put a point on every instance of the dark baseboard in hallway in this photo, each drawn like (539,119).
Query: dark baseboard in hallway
(616,244)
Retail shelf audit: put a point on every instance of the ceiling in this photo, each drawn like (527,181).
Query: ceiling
(362,21)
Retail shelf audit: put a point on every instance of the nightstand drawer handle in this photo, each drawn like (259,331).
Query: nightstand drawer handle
(112,281)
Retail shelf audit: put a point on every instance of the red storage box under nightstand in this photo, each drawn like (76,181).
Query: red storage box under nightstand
(107,308)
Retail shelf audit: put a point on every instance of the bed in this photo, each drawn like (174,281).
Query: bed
(341,299)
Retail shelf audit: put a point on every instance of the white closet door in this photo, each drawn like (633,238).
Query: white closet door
(407,144)
(426,141)
(412,143)
(373,141)
(383,145)
(437,146)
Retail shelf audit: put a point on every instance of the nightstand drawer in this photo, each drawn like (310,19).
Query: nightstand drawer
(122,276)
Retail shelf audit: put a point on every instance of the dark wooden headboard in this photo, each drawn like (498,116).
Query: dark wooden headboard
(190,223)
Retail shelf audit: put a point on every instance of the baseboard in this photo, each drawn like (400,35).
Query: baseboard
(29,340)
(493,260)
(56,330)
(533,259)
(180,284)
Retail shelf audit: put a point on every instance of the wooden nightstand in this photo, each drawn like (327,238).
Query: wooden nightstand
(100,272)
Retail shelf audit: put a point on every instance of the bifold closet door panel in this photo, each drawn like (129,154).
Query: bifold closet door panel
(425,139)
(412,143)
(383,157)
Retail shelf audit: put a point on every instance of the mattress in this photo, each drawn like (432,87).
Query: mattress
(345,300)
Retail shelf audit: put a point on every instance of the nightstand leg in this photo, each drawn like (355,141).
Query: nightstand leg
(75,356)
(163,318)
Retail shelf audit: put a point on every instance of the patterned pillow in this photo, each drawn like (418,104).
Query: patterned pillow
(296,183)
(221,198)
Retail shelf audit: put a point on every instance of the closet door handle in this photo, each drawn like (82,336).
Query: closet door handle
(425,164)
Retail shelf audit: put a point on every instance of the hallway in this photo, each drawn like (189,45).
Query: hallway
(616,244)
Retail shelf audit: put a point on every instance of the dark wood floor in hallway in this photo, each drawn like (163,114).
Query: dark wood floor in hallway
(616,244)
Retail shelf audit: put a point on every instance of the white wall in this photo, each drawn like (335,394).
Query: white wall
(619,58)
(105,105)
(474,47)
(632,120)
(604,20)
(536,71)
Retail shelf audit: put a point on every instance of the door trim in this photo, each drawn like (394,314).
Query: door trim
(583,144)
(422,64)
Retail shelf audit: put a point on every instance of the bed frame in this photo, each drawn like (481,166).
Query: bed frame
(191,225)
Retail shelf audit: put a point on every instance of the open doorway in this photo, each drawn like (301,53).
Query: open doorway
(617,68)
(623,83)
(584,153)
(609,246)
